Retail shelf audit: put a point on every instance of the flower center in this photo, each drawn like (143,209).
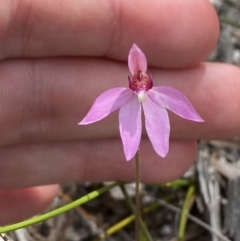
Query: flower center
(140,83)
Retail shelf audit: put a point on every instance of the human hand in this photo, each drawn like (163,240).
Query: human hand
(57,57)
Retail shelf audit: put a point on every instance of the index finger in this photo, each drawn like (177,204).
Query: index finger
(171,33)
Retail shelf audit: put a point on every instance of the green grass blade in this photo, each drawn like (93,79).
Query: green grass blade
(58,211)
(185,209)
(123,223)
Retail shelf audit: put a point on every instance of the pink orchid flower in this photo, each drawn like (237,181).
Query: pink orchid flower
(141,93)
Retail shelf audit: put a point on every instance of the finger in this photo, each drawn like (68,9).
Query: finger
(95,161)
(44,100)
(16,205)
(171,33)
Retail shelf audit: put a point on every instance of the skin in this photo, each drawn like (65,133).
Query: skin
(58,56)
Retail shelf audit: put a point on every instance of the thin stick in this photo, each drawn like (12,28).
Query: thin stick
(194,219)
(137,209)
(3,237)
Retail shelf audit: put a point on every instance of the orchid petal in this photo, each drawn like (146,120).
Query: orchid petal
(130,126)
(136,60)
(175,101)
(106,103)
(157,126)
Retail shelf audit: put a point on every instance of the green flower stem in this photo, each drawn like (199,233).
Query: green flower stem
(58,211)
(185,209)
(133,209)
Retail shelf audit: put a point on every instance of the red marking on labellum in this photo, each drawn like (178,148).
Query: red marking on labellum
(140,81)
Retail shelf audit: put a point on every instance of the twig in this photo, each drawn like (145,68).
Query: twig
(81,211)
(4,237)
(194,219)
(21,234)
